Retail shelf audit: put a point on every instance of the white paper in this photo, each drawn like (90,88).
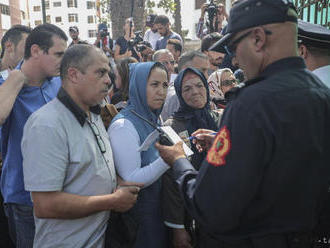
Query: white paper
(175,138)
(148,141)
(4,74)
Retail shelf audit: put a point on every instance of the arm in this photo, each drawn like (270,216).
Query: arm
(125,142)
(61,205)
(9,91)
(219,194)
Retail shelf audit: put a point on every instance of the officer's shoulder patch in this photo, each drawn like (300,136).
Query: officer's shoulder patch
(220,148)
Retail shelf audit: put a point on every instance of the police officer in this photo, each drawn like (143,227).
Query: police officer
(314,47)
(265,176)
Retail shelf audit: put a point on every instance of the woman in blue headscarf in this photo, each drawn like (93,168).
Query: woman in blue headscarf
(194,113)
(147,93)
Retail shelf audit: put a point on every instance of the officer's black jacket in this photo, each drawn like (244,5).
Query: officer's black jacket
(277,169)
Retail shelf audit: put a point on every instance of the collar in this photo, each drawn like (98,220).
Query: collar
(291,63)
(68,102)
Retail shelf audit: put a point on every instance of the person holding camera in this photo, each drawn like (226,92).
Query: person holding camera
(122,48)
(216,16)
(103,41)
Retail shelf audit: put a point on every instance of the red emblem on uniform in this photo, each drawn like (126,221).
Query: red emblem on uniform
(220,148)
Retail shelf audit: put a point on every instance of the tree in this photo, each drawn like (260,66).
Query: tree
(120,10)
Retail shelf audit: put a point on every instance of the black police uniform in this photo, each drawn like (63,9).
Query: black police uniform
(265,177)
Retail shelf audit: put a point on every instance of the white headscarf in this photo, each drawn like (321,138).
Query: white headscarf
(214,82)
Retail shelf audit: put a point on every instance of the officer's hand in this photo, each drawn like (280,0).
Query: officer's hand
(125,198)
(181,238)
(203,139)
(171,153)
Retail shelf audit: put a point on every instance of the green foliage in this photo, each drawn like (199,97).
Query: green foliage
(149,5)
(168,5)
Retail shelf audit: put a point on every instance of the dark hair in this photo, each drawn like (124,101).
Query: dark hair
(160,66)
(14,35)
(42,36)
(123,72)
(77,56)
(161,19)
(176,43)
(209,40)
(188,57)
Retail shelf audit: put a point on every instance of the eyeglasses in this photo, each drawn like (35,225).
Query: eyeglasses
(98,136)
(229,82)
(231,48)
(172,62)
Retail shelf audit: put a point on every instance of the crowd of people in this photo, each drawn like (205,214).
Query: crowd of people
(84,163)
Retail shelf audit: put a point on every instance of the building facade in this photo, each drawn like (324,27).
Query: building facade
(86,15)
(13,12)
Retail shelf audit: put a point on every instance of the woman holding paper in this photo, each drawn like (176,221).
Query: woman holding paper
(147,93)
(194,113)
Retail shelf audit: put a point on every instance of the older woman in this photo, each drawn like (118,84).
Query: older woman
(220,82)
(194,113)
(147,93)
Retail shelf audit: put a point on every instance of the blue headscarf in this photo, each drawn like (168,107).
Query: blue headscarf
(139,73)
(195,118)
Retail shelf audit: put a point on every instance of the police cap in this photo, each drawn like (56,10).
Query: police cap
(313,35)
(252,13)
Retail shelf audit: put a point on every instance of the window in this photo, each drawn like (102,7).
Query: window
(73,17)
(57,4)
(47,4)
(72,4)
(198,3)
(92,33)
(48,18)
(37,22)
(58,19)
(90,5)
(90,19)
(36,8)
(23,15)
(5,9)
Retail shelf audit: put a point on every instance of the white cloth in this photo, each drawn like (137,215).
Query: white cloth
(324,74)
(151,37)
(125,142)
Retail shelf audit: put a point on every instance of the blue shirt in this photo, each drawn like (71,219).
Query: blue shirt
(29,99)
(162,42)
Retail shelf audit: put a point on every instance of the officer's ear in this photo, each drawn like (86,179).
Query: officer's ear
(302,51)
(259,37)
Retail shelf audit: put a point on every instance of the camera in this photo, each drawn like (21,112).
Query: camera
(133,42)
(212,9)
(104,33)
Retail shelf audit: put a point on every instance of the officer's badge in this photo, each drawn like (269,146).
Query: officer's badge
(220,148)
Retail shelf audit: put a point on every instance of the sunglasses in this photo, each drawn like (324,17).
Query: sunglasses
(231,48)
(228,82)
(172,62)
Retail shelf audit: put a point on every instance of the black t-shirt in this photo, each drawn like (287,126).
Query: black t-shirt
(123,44)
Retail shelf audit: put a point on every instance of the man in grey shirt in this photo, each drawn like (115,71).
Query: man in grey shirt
(67,158)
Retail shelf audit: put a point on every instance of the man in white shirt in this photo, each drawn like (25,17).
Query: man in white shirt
(151,35)
(314,47)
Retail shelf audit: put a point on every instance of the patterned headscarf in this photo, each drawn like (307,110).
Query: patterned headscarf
(214,82)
